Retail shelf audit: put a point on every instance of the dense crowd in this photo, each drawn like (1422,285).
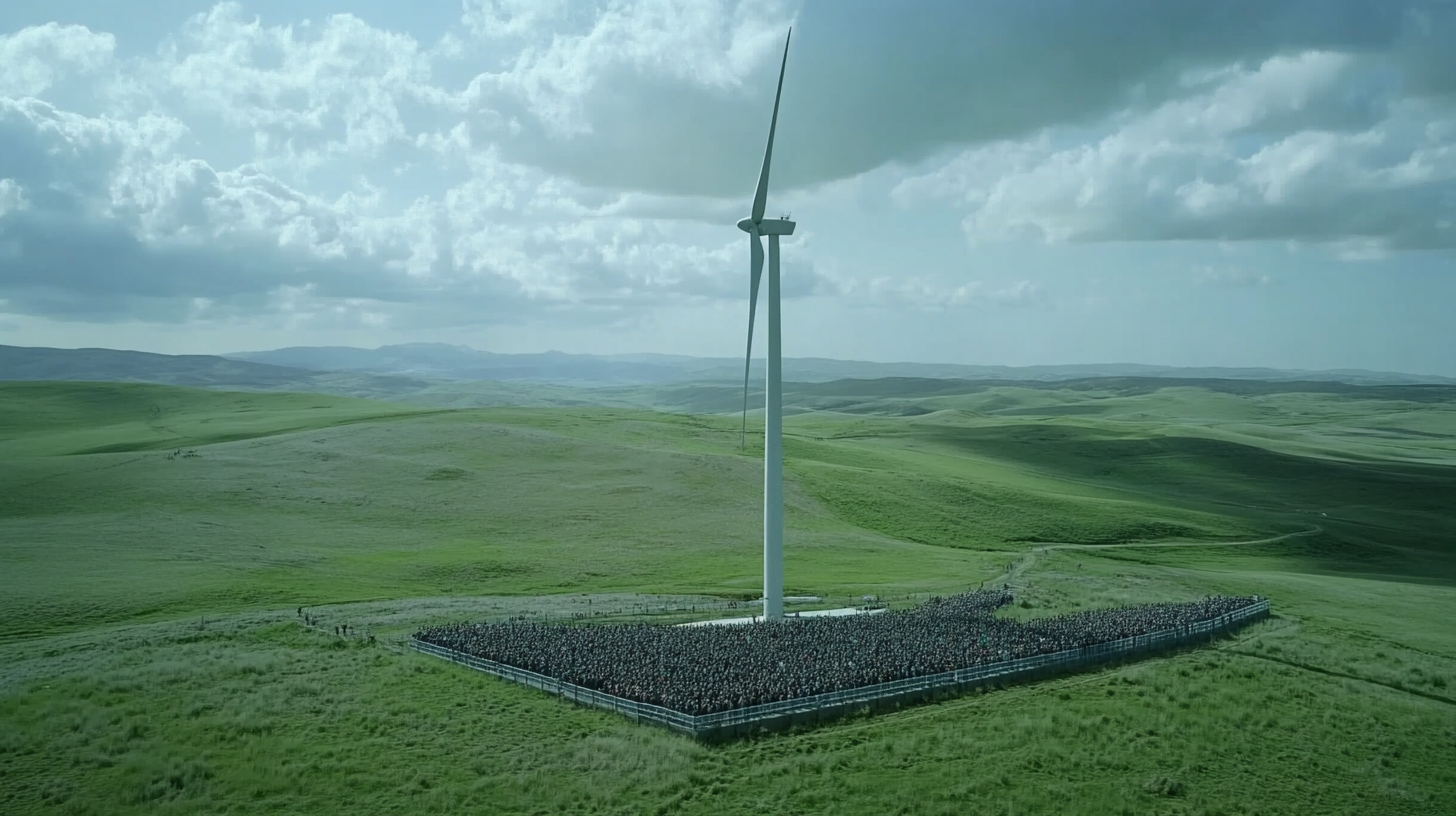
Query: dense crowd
(702,669)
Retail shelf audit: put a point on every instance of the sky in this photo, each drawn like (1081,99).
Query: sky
(993,182)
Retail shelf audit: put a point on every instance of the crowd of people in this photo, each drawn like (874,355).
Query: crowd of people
(704,669)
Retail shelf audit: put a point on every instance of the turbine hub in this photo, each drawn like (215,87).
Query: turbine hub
(768,226)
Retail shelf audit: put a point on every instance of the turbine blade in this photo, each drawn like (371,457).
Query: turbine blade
(755,275)
(760,195)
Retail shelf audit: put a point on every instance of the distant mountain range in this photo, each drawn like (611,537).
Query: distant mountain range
(440,361)
(394,371)
(446,362)
(110,365)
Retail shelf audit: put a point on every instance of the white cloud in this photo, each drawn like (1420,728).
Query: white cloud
(573,56)
(499,19)
(12,197)
(932,293)
(337,88)
(584,162)
(33,59)
(1230,276)
(329,102)
(1020,293)
(1355,250)
(1315,147)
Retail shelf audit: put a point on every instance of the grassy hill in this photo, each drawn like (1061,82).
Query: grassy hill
(21,364)
(49,418)
(97,364)
(439,374)
(151,659)
(461,362)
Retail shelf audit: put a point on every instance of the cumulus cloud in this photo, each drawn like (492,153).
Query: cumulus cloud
(342,79)
(559,158)
(658,85)
(1020,293)
(12,197)
(1314,146)
(935,293)
(33,59)
(653,95)
(130,214)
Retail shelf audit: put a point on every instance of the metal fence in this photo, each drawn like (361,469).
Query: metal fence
(821,706)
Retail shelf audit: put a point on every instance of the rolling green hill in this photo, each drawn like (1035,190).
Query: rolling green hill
(462,362)
(394,486)
(47,418)
(152,658)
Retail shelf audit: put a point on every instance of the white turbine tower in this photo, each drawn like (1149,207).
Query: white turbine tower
(773,459)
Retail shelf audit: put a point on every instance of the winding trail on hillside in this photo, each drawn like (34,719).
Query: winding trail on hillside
(1022,564)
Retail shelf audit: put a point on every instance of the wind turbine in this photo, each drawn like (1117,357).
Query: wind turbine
(773,454)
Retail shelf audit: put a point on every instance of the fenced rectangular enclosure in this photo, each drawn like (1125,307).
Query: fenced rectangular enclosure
(777,715)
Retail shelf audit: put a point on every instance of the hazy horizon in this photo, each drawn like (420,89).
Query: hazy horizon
(913,368)
(976,183)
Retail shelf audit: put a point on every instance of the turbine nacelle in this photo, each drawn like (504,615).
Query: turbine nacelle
(768,226)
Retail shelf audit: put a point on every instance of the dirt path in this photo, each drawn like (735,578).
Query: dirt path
(1022,564)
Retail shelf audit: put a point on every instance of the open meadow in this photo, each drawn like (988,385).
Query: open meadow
(157,543)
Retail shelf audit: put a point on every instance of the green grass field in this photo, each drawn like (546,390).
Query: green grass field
(151,659)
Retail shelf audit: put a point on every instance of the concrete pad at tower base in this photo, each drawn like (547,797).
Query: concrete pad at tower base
(814,613)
